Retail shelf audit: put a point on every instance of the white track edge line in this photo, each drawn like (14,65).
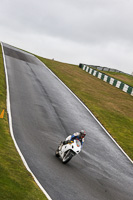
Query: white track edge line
(90,113)
(11,129)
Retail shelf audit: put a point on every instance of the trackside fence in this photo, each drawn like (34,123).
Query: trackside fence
(112,81)
(107,69)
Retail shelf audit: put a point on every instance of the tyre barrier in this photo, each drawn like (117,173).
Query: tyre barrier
(112,81)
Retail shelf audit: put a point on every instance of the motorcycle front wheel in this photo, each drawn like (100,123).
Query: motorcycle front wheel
(67,157)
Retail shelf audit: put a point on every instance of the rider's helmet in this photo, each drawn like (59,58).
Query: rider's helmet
(82,133)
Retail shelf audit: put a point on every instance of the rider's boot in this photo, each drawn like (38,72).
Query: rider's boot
(60,146)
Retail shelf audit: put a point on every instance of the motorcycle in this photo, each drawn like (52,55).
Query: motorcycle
(67,151)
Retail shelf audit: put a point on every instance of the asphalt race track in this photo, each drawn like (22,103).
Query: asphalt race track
(44,112)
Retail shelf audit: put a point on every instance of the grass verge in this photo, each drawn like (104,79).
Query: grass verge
(122,77)
(111,106)
(15,181)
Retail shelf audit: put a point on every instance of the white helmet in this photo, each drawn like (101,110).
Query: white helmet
(82,133)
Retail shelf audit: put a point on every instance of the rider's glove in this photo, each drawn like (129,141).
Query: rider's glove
(69,141)
(65,142)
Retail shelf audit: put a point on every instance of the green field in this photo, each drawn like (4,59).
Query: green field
(111,106)
(16,183)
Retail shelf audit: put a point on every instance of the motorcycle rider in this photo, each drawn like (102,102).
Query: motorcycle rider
(78,136)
